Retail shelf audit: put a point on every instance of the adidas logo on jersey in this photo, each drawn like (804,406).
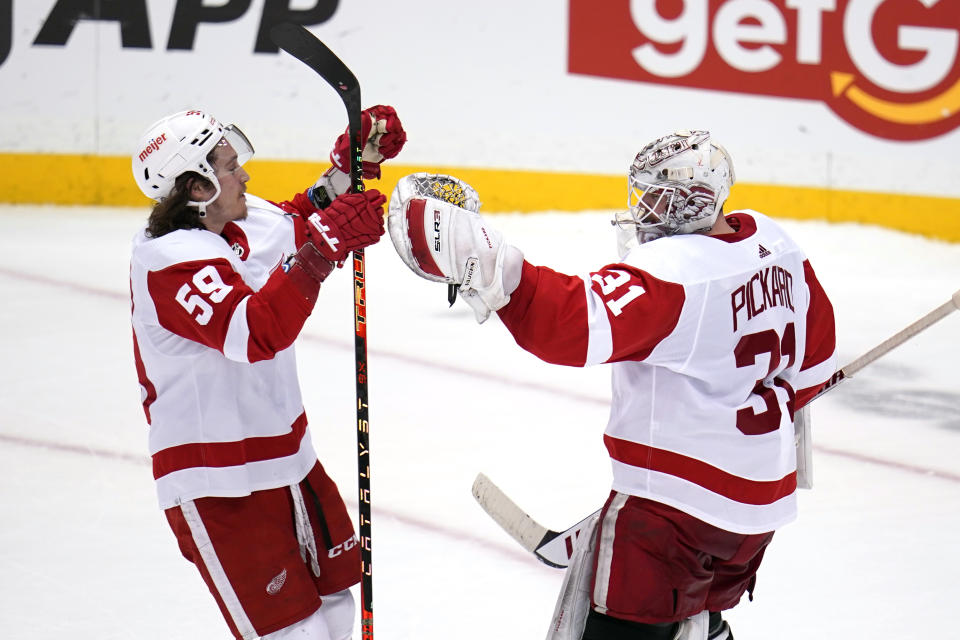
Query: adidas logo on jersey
(238,249)
(277,583)
(763,251)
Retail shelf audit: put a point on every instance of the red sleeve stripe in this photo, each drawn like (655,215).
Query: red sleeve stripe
(229,454)
(547,315)
(821,330)
(418,239)
(756,492)
(150,391)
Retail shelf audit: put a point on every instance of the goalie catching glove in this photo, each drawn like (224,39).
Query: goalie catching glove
(438,233)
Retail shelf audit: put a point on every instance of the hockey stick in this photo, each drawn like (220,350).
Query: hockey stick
(554,548)
(892,342)
(303,45)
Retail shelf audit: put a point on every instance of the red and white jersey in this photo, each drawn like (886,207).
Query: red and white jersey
(215,357)
(715,342)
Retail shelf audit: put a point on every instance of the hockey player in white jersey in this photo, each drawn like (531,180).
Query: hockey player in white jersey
(221,284)
(716,330)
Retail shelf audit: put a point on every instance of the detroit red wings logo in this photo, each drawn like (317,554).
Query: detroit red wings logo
(890,68)
(273,588)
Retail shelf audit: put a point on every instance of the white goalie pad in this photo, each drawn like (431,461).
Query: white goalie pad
(695,627)
(804,446)
(573,603)
(442,241)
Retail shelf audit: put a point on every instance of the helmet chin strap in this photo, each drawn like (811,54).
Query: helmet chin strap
(202,206)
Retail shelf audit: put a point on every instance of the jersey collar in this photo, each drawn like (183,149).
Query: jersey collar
(744,226)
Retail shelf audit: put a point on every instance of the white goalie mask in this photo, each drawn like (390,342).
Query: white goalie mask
(178,144)
(677,184)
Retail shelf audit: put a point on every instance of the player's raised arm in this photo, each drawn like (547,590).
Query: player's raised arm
(618,312)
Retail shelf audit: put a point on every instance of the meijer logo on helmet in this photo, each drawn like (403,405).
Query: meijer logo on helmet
(888,67)
(153,146)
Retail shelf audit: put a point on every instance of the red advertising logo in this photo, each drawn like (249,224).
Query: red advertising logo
(890,68)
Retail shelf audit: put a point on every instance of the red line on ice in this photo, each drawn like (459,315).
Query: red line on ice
(423,362)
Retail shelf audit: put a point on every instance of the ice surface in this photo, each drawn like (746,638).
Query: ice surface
(85,553)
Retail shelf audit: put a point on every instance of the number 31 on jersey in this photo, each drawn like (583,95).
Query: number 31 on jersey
(609,285)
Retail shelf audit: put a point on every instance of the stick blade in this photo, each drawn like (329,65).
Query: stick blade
(552,548)
(296,40)
(505,512)
(556,550)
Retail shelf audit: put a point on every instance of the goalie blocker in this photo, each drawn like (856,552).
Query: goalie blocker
(438,233)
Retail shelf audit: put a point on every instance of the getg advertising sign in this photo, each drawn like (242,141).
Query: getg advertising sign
(890,68)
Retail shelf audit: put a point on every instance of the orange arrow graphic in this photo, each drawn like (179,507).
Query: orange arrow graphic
(935,109)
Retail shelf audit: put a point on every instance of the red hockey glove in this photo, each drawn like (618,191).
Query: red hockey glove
(352,221)
(383,137)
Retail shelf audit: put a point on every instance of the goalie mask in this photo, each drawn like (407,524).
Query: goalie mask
(677,184)
(179,144)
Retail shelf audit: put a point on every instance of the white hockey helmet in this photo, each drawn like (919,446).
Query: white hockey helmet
(178,144)
(677,184)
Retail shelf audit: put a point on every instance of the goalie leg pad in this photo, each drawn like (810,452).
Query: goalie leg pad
(695,627)
(719,629)
(442,242)
(803,440)
(573,603)
(601,627)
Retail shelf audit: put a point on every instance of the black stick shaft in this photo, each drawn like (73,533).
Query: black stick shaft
(303,45)
(363,406)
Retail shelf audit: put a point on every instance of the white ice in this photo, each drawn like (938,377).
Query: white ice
(86,554)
